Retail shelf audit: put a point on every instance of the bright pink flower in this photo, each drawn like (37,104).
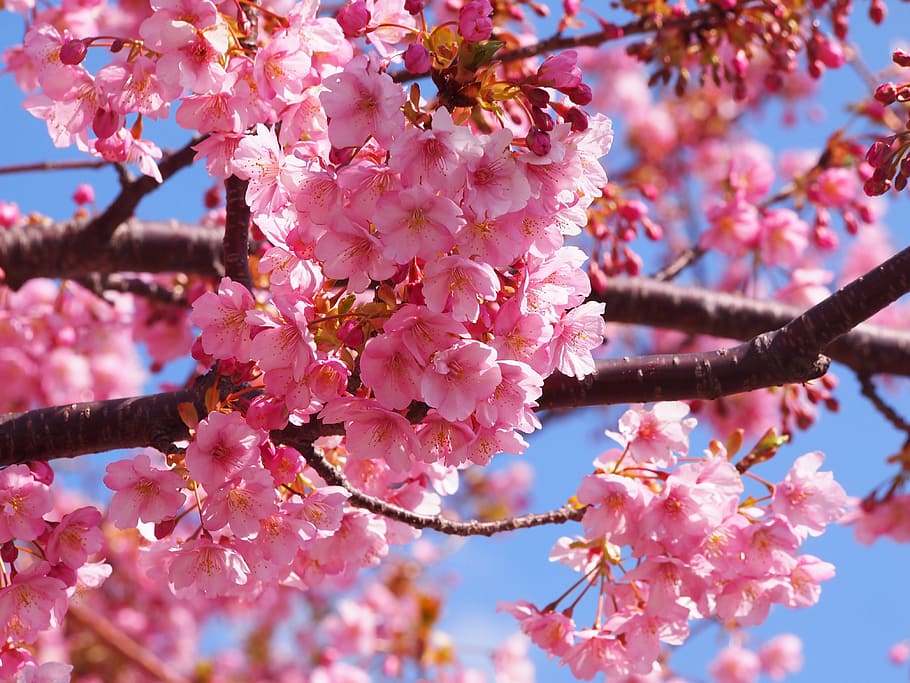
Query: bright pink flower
(652,436)
(457,285)
(781,656)
(142,492)
(284,340)
(135,87)
(202,567)
(353,18)
(474,21)
(283,68)
(616,504)
(391,371)
(242,503)
(574,337)
(83,194)
(417,222)
(899,653)
(224,445)
(222,319)
(192,56)
(595,651)
(272,174)
(424,332)
(805,579)
(784,238)
(32,603)
(9,214)
(442,440)
(458,378)
(512,403)
(122,147)
(809,499)
(362,102)
(735,664)
(77,536)
(23,502)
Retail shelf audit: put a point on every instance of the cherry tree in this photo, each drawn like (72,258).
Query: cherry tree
(425,231)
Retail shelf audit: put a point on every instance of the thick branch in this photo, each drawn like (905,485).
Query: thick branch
(867,348)
(237,232)
(69,250)
(333,476)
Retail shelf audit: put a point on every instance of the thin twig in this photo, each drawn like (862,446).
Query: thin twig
(332,475)
(54,166)
(870,391)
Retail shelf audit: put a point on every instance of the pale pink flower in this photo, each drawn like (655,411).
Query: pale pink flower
(283,68)
(77,536)
(222,319)
(616,505)
(242,503)
(424,332)
(49,672)
(458,378)
(372,431)
(579,332)
(809,499)
(734,227)
(192,56)
(272,174)
(511,663)
(653,436)
(457,285)
(391,371)
(899,653)
(595,651)
(834,187)
(135,86)
(806,288)
(361,102)
(805,578)
(350,252)
(122,147)
(23,502)
(512,403)
(224,445)
(323,510)
(784,238)
(551,631)
(284,340)
(142,492)
(443,441)
(735,664)
(218,111)
(202,567)
(495,184)
(781,656)
(31,603)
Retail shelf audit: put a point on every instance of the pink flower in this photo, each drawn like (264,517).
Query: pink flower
(323,510)
(202,567)
(241,503)
(349,251)
(809,499)
(32,603)
(595,651)
(551,631)
(899,653)
(734,227)
(781,656)
(560,71)
(417,222)
(474,22)
(456,285)
(391,371)
(495,183)
(75,538)
(458,378)
(363,103)
(834,187)
(372,431)
(23,502)
(224,445)
(283,68)
(222,319)
(424,332)
(735,664)
(652,436)
(271,173)
(784,238)
(574,337)
(142,492)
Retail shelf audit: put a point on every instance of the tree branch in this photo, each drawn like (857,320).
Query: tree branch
(332,475)
(237,232)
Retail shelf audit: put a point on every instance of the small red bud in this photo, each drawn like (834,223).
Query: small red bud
(886,93)
(581,94)
(538,141)
(73,52)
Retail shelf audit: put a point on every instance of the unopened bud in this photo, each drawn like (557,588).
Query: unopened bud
(581,94)
(73,52)
(541,119)
(577,118)
(538,141)
(886,93)
(901,57)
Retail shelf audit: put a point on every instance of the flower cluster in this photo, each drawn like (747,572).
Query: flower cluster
(700,548)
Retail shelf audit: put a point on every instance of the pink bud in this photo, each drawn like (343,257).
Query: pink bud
(105,123)
(474,22)
(577,118)
(353,18)
(886,93)
(84,194)
(414,6)
(9,214)
(901,57)
(417,59)
(73,52)
(580,94)
(541,119)
(538,141)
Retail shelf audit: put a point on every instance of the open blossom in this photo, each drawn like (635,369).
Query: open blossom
(202,567)
(459,378)
(574,337)
(781,656)
(457,285)
(77,536)
(391,371)
(142,492)
(807,498)
(552,631)
(23,502)
(222,319)
(31,603)
(652,436)
(271,173)
(735,664)
(242,503)
(224,445)
(361,103)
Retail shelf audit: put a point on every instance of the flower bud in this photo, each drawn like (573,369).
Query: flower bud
(577,118)
(417,59)
(353,18)
(105,123)
(886,93)
(414,6)
(541,119)
(73,52)
(580,95)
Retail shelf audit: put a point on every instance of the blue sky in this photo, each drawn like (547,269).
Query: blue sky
(862,611)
